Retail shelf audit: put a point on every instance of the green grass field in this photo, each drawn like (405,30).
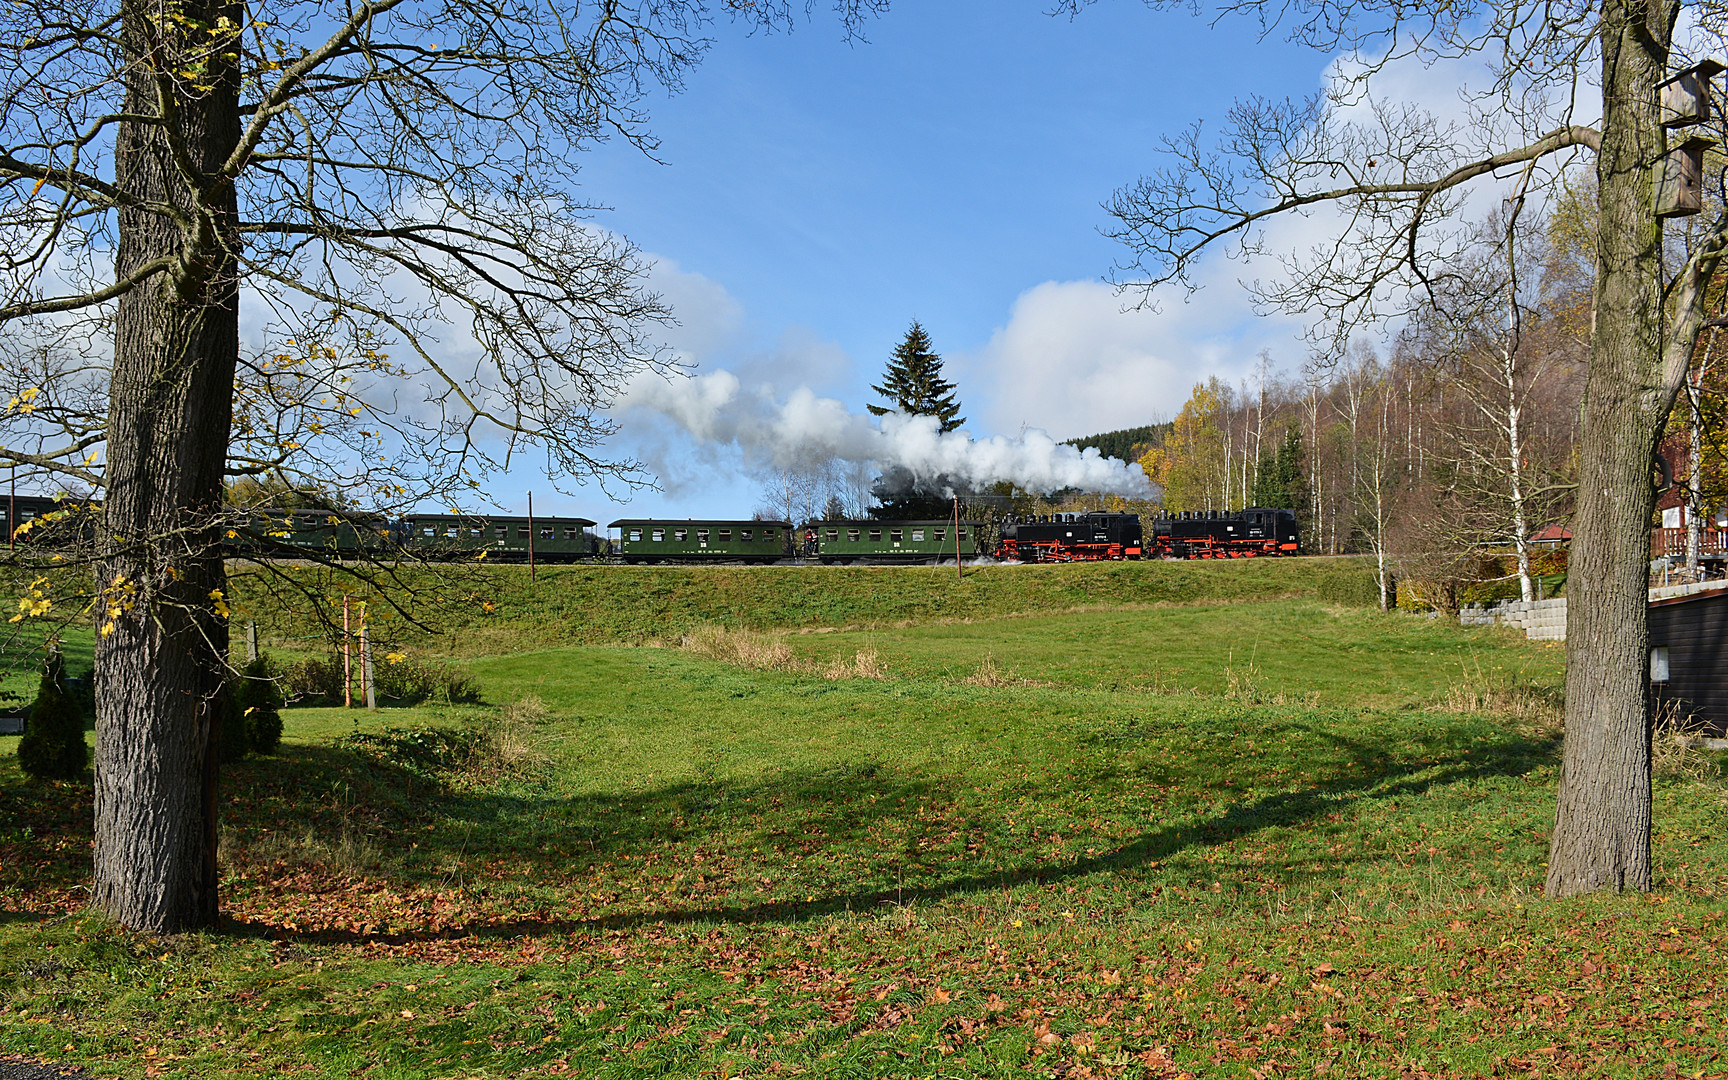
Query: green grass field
(1130,838)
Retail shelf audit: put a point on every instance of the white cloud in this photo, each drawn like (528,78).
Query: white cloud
(1072,361)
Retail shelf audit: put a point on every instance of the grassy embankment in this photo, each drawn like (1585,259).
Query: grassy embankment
(1217,839)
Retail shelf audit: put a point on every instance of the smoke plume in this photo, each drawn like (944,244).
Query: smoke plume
(714,409)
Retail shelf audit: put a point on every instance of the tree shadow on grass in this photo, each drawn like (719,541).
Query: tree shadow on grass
(852,806)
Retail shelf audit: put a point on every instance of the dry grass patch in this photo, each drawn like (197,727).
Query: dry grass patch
(989,675)
(769,652)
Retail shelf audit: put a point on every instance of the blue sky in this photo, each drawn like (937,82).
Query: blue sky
(817,195)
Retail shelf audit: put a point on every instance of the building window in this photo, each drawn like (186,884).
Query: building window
(636,534)
(1659,664)
(917,536)
(659,535)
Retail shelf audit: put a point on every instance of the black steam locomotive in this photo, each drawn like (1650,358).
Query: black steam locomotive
(1187,534)
(1086,537)
(1209,534)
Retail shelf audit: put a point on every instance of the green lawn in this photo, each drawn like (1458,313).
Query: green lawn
(1227,839)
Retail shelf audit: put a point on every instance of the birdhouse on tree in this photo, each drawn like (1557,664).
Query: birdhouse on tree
(1685,98)
(1680,183)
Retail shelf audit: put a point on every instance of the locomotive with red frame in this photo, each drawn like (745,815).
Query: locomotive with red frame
(1208,534)
(1089,537)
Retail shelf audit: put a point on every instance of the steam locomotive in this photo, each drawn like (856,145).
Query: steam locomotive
(1187,534)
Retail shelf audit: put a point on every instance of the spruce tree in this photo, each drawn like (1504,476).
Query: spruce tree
(53,744)
(257,706)
(914,383)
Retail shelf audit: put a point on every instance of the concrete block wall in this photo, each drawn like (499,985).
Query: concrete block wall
(1541,620)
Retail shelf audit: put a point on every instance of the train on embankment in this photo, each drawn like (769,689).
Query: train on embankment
(1092,536)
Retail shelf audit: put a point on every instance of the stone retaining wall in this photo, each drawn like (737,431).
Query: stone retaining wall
(1541,620)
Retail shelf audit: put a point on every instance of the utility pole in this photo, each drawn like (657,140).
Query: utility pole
(959,571)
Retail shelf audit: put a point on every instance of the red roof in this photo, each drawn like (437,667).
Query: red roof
(1550,534)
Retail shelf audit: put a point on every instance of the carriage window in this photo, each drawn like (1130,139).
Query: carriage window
(570,532)
(450,530)
(941,534)
(852,535)
(702,536)
(428,530)
(917,534)
(521,532)
(833,534)
(725,536)
(894,535)
(876,534)
(745,535)
(680,535)
(659,535)
(502,532)
(636,534)
(767,534)
(547,532)
(962,534)
(477,531)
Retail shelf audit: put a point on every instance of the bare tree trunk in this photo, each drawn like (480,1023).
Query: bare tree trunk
(1515,465)
(1695,466)
(160,668)
(1602,818)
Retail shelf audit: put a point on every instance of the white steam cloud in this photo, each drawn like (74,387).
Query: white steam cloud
(714,409)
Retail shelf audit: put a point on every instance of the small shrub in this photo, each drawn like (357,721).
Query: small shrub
(256,702)
(234,740)
(312,681)
(410,681)
(53,744)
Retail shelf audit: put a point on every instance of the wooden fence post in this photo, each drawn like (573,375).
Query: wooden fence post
(366,662)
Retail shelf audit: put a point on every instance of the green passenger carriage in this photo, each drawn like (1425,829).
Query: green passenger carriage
(506,538)
(867,540)
(648,540)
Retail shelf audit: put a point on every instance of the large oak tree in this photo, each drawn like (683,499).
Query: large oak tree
(381,194)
